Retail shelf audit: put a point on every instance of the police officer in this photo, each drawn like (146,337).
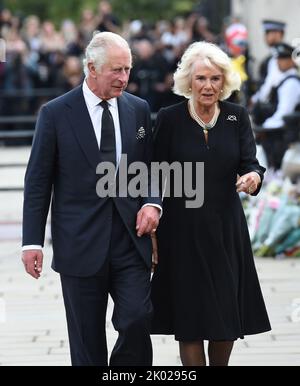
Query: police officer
(287,93)
(284,100)
(270,75)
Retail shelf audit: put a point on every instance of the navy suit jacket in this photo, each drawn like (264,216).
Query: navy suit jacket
(62,166)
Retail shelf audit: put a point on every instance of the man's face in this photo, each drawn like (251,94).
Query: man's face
(285,64)
(273,38)
(112,78)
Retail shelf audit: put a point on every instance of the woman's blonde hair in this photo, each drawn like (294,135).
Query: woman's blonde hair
(211,55)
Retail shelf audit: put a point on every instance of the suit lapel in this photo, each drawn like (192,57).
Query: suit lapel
(83,128)
(127,125)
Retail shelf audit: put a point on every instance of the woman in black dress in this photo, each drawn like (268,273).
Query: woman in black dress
(205,286)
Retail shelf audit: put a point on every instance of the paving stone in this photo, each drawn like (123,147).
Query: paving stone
(12,177)
(276,343)
(287,337)
(26,352)
(35,331)
(266,360)
(59,351)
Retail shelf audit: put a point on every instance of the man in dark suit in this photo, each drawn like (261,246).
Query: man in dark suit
(101,245)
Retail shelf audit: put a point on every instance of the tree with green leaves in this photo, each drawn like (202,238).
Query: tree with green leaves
(57,10)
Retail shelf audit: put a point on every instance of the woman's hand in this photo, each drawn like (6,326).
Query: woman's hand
(154,251)
(248,183)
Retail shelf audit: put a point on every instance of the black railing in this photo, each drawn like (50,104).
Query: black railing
(13,128)
(17,113)
(36,92)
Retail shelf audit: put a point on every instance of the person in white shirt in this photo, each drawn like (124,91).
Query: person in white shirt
(270,74)
(101,244)
(285,99)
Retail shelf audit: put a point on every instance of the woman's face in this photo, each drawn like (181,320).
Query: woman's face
(207,83)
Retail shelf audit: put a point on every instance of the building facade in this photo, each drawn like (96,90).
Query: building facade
(252,12)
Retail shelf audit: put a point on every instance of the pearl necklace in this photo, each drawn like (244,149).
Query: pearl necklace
(205,126)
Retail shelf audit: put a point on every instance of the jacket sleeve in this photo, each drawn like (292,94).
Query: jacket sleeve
(153,191)
(248,161)
(39,180)
(162,141)
(161,138)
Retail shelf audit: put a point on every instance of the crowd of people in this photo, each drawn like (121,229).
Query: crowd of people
(43,61)
(205,285)
(41,56)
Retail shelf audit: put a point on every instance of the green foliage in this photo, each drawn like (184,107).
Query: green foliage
(57,10)
(152,10)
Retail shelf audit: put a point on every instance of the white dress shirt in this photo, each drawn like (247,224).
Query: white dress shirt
(273,78)
(95,111)
(288,99)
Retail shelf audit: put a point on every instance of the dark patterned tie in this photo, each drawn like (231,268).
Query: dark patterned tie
(108,140)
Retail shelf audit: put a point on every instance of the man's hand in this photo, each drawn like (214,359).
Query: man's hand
(33,262)
(147,220)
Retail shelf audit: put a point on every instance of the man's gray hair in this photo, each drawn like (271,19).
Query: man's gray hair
(210,54)
(96,51)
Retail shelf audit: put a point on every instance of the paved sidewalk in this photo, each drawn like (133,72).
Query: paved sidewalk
(32,320)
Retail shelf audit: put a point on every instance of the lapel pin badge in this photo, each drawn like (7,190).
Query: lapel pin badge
(232,118)
(140,133)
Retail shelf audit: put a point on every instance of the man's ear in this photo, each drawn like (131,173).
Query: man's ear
(92,70)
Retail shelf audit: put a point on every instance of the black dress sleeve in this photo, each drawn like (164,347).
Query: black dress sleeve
(162,144)
(248,160)
(161,138)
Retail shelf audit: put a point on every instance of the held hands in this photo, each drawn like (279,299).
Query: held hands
(154,252)
(147,220)
(33,262)
(248,183)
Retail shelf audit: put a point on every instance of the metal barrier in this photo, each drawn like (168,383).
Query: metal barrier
(16,134)
(12,128)
(23,134)
(15,120)
(37,92)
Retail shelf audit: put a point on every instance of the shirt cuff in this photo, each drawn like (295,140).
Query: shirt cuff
(156,206)
(30,247)
(258,175)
